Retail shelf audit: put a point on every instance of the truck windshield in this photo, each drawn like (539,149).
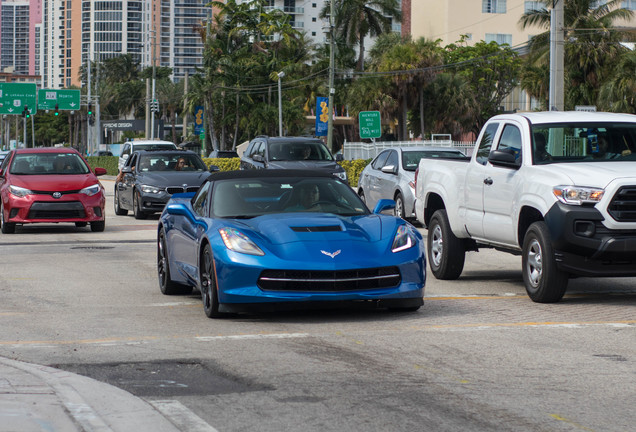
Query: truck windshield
(576,142)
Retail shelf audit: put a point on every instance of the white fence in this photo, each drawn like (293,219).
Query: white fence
(363,150)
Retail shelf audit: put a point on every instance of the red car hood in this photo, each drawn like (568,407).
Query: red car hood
(54,182)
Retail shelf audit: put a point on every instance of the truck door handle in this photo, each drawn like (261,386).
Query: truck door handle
(488,181)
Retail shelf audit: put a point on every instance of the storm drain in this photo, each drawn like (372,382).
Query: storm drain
(93,247)
(163,379)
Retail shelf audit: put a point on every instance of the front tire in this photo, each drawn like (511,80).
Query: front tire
(98,226)
(118,210)
(446,253)
(6,227)
(166,285)
(545,283)
(139,213)
(209,293)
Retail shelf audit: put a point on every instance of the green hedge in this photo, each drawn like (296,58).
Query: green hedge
(352,167)
(108,162)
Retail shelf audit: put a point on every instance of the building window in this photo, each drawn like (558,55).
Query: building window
(313,19)
(313,5)
(530,6)
(493,6)
(499,38)
(629,4)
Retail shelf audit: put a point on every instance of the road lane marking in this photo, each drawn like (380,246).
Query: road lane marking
(570,422)
(180,416)
(253,336)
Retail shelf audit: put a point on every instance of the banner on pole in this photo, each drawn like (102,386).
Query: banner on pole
(322,115)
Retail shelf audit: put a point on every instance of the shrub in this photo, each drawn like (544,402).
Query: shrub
(109,162)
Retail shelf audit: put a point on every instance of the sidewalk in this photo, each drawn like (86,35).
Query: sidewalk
(40,398)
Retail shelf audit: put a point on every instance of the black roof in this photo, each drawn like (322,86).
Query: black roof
(266,173)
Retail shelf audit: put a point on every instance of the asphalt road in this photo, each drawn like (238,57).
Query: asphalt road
(479,356)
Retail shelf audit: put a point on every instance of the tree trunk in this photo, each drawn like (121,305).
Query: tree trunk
(236,123)
(422,112)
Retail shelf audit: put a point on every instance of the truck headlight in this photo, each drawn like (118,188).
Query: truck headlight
(577,195)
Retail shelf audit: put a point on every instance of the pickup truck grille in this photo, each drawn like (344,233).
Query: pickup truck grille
(623,205)
(329,281)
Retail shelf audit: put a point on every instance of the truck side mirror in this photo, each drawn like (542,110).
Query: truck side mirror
(504,158)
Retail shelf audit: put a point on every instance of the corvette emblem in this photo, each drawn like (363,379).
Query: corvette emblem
(332,254)
(57,195)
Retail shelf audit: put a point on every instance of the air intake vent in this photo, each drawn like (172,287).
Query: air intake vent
(329,228)
(623,205)
(326,280)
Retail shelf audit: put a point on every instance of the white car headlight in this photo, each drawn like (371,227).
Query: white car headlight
(239,242)
(19,191)
(91,190)
(577,195)
(152,189)
(404,239)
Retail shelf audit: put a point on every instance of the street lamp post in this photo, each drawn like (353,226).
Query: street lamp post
(280,105)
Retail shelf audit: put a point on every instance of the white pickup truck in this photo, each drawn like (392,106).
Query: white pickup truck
(558,188)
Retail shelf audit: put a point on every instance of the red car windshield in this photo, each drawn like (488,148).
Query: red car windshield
(48,163)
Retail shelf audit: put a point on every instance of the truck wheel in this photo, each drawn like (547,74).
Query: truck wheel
(446,254)
(545,283)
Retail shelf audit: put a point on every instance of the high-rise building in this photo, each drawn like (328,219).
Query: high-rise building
(18,39)
(162,32)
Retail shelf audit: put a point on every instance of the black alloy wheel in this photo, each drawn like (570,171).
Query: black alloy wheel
(209,294)
(118,210)
(139,213)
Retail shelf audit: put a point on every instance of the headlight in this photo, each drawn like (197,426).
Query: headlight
(239,242)
(341,175)
(152,189)
(404,239)
(19,192)
(576,195)
(91,190)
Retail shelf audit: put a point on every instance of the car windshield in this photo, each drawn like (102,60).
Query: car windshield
(587,142)
(411,159)
(48,163)
(171,162)
(251,197)
(298,151)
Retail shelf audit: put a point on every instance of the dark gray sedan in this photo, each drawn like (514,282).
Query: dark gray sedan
(391,175)
(150,177)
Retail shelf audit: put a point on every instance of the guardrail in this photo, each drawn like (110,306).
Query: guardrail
(365,150)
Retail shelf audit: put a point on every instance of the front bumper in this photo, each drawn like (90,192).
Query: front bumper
(586,247)
(240,279)
(46,209)
(154,202)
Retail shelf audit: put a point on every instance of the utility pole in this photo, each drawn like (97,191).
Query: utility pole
(556,100)
(89,143)
(154,79)
(332,90)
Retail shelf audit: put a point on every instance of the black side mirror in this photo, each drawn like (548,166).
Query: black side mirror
(504,158)
(214,168)
(339,157)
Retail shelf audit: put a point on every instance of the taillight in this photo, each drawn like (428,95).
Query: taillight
(417,170)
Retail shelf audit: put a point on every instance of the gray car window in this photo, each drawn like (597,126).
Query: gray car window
(511,140)
(392,159)
(200,201)
(379,161)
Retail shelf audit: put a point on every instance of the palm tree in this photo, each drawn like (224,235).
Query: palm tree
(618,93)
(356,19)
(592,44)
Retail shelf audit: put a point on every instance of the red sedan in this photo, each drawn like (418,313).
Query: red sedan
(50,185)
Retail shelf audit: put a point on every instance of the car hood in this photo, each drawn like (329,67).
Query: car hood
(321,237)
(594,174)
(329,166)
(54,182)
(173,178)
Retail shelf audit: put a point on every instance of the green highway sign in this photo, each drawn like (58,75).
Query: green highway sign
(15,96)
(370,126)
(68,100)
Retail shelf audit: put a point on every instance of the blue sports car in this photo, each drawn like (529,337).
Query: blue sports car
(287,238)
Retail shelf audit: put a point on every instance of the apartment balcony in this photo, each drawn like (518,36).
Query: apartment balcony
(287,9)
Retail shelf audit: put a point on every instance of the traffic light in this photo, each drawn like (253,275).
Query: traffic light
(90,109)
(26,113)
(154,105)
(57,110)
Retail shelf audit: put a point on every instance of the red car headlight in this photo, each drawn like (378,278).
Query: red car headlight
(19,191)
(91,190)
